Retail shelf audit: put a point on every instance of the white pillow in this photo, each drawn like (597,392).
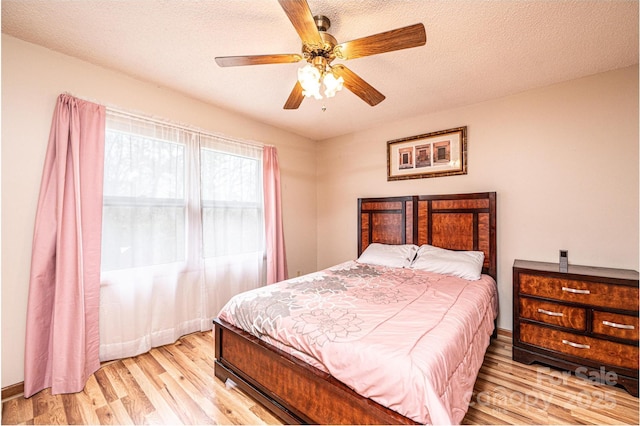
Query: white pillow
(463,264)
(394,255)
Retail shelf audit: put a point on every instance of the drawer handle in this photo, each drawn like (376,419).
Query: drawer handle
(576,345)
(616,325)
(575,290)
(550,313)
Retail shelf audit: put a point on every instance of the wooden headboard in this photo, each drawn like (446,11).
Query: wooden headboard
(455,222)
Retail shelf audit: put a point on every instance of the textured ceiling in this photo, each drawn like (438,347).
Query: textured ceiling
(476,50)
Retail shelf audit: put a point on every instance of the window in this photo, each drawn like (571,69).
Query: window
(156,203)
(182,231)
(231,203)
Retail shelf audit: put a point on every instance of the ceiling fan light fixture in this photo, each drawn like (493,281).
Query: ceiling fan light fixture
(310,79)
(315,75)
(332,85)
(319,49)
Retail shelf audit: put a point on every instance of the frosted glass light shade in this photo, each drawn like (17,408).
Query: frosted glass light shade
(332,84)
(309,78)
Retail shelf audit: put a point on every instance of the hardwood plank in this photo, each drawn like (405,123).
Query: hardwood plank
(121,414)
(115,381)
(478,417)
(539,394)
(17,410)
(106,416)
(200,351)
(150,388)
(48,409)
(593,417)
(261,414)
(89,400)
(106,385)
(188,410)
(560,415)
(191,389)
(72,409)
(151,368)
(182,367)
(154,418)
(136,402)
(175,384)
(499,400)
(234,402)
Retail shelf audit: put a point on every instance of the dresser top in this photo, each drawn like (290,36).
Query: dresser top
(593,271)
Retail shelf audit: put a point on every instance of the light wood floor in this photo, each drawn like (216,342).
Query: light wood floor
(175,385)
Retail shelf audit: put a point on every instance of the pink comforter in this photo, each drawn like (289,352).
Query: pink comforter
(410,340)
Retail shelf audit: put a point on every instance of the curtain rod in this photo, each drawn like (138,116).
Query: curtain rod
(166,122)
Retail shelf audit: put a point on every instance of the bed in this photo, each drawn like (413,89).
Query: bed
(302,384)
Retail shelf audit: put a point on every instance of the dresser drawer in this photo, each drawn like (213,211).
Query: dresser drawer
(609,353)
(553,313)
(616,325)
(583,292)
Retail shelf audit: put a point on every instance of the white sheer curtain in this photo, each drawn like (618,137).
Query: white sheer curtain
(164,188)
(232,221)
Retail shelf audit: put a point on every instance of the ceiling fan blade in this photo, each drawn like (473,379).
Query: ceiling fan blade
(400,38)
(301,17)
(295,98)
(358,86)
(235,61)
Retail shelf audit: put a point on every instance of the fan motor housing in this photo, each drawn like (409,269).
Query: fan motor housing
(311,51)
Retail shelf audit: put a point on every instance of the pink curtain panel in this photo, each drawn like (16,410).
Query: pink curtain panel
(62,338)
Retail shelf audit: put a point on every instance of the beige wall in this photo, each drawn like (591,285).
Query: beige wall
(32,78)
(563,160)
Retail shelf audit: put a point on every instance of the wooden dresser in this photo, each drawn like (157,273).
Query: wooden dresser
(584,320)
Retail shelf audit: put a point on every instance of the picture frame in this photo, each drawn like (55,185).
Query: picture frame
(441,153)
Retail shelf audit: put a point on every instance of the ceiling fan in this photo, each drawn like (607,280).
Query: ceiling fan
(320,48)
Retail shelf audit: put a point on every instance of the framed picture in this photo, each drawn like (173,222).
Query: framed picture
(442,153)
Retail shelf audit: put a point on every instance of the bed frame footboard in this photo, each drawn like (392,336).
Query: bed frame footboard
(294,391)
